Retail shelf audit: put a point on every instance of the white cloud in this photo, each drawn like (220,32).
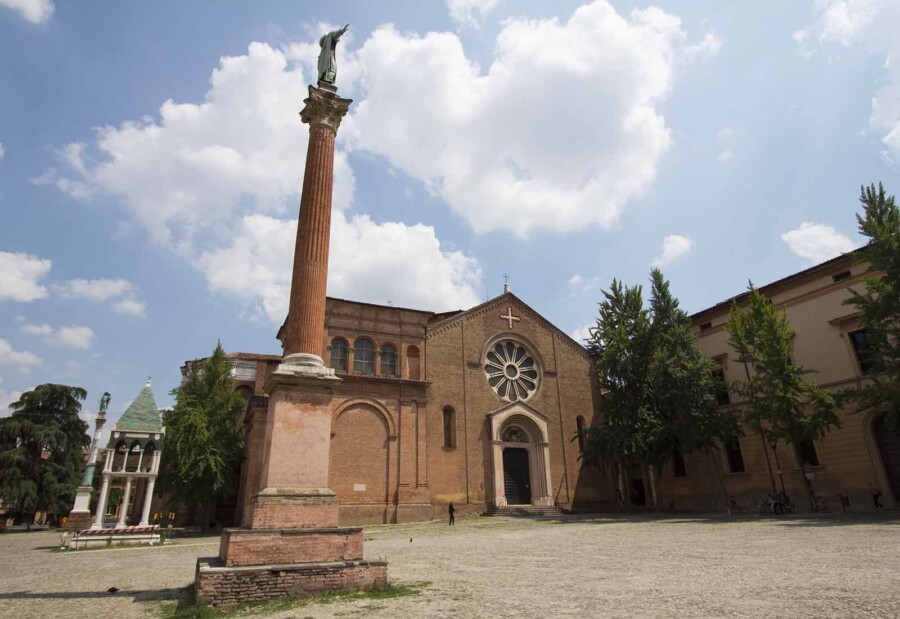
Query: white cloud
(674,247)
(470,12)
(575,280)
(727,138)
(581,333)
(23,359)
(185,176)
(35,11)
(97,290)
(76,337)
(102,290)
(2,151)
(131,307)
(19,275)
(560,132)
(817,243)
(7,398)
(37,329)
(869,26)
(578,282)
(709,46)
(369,262)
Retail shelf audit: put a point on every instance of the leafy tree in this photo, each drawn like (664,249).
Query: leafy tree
(879,305)
(203,441)
(42,452)
(779,402)
(660,385)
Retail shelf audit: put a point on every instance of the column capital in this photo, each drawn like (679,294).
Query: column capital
(324,107)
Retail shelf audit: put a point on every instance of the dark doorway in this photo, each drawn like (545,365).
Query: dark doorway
(516,480)
(638,496)
(888,440)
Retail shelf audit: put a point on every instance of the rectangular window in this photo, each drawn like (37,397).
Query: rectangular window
(806,453)
(870,362)
(678,464)
(722,396)
(449,427)
(734,455)
(705,326)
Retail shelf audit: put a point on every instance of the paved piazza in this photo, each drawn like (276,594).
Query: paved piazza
(573,566)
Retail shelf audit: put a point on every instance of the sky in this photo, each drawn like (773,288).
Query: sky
(151,160)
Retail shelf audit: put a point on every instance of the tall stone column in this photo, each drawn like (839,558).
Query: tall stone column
(148,498)
(305,326)
(294,474)
(291,543)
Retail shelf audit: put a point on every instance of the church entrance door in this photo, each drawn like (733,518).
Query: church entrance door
(516,476)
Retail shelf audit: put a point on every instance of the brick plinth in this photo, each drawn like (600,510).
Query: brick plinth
(76,521)
(292,515)
(239,547)
(218,585)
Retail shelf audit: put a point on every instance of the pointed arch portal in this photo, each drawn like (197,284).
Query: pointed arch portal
(520,456)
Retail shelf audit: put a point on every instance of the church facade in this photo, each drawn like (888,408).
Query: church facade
(475,407)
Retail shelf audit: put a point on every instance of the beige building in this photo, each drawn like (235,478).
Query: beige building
(851,461)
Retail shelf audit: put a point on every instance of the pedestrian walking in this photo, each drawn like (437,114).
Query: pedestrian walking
(451,510)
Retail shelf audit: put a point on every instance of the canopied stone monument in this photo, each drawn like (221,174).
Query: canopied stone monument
(293,544)
(80,516)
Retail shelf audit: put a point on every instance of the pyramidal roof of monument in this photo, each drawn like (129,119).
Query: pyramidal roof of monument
(142,413)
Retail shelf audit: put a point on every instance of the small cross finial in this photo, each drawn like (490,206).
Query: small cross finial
(149,378)
(505,283)
(390,303)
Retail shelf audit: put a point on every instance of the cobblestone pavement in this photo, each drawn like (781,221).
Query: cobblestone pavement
(573,566)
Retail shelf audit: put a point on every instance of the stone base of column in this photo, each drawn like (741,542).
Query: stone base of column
(217,585)
(77,521)
(294,508)
(305,364)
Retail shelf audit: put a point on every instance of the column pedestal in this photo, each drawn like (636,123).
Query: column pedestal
(80,517)
(293,545)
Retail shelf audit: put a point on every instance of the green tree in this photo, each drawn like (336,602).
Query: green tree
(660,385)
(779,402)
(203,449)
(42,452)
(879,305)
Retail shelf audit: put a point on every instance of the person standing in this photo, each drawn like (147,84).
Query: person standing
(451,510)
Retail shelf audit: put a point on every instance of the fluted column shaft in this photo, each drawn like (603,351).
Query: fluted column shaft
(306,317)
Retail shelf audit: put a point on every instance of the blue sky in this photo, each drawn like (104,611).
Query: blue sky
(152,159)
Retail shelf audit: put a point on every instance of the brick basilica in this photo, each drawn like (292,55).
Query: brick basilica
(478,407)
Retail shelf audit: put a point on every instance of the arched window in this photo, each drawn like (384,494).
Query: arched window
(364,356)
(147,463)
(579,423)
(449,427)
(339,355)
(388,360)
(412,361)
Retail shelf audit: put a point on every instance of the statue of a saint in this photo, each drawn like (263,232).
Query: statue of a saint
(327,62)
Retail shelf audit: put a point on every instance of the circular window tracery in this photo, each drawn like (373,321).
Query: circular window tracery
(511,371)
(514,434)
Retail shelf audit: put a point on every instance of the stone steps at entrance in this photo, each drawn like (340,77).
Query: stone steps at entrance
(522,510)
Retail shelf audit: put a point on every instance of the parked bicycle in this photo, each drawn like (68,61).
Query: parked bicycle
(822,506)
(778,503)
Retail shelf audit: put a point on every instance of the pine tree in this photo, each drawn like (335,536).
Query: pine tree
(879,305)
(660,385)
(203,440)
(779,402)
(42,452)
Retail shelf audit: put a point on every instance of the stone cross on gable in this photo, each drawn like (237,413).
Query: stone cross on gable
(509,316)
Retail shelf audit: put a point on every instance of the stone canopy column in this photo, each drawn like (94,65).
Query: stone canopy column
(305,326)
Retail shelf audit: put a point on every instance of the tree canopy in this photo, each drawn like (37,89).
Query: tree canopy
(779,402)
(879,303)
(203,440)
(42,452)
(660,386)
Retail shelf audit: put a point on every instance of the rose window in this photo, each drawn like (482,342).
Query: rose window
(511,371)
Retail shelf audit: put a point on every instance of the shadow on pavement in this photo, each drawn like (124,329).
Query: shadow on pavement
(145,595)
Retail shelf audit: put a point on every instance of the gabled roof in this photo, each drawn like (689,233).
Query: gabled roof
(142,414)
(506,297)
